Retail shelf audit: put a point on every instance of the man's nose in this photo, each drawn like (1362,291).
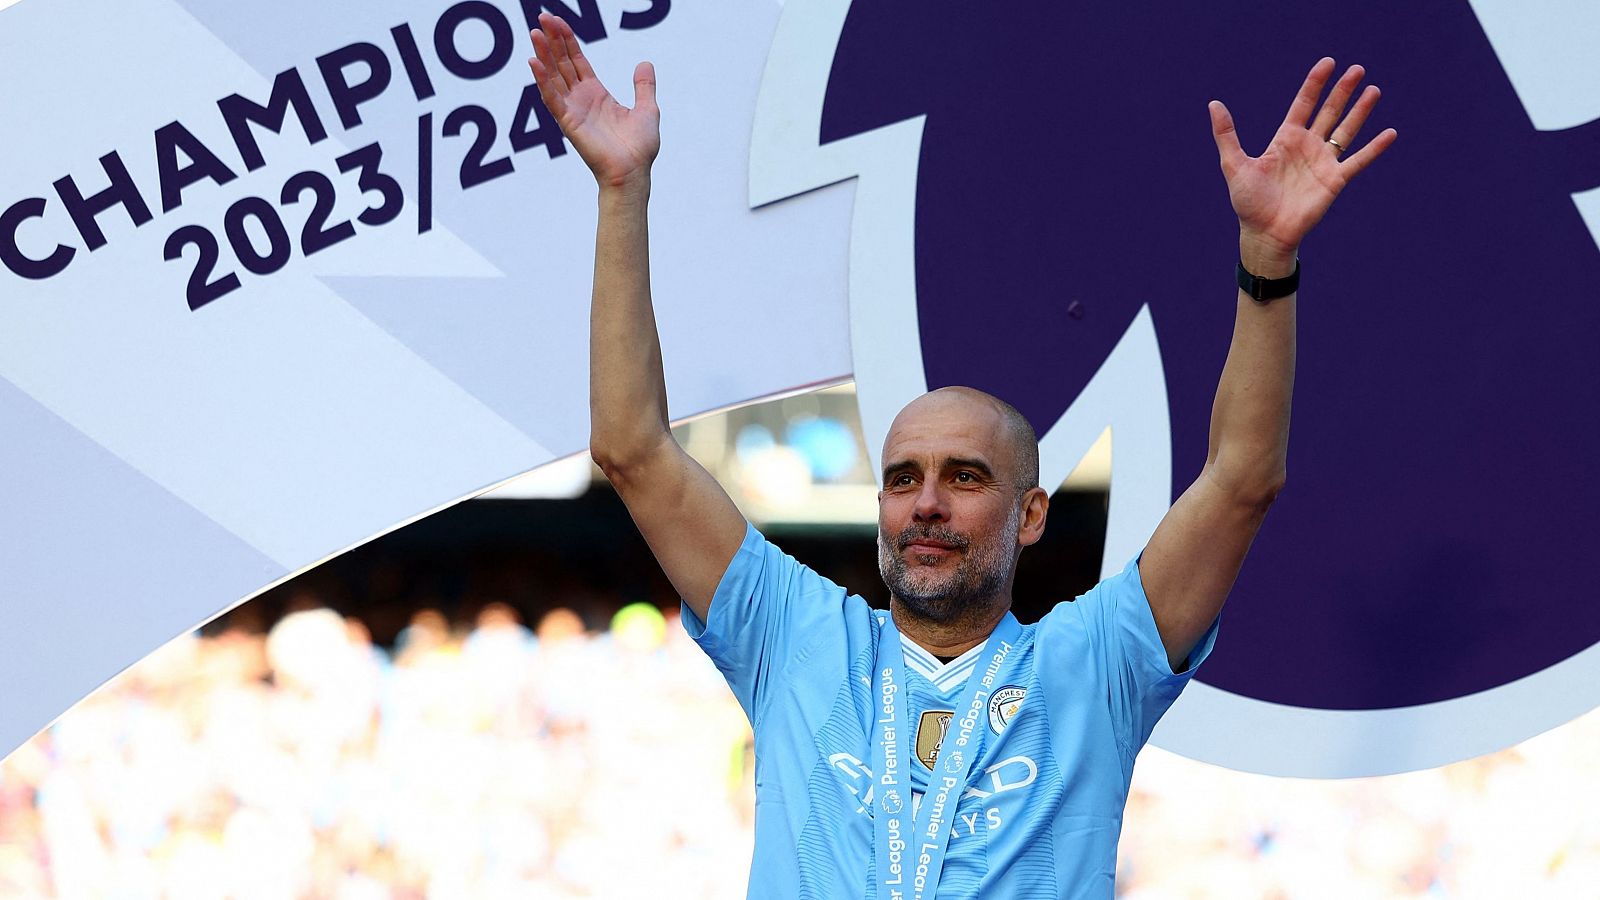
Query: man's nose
(931,506)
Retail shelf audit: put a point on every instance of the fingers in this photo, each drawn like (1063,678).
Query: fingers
(545,54)
(552,90)
(559,49)
(1374,148)
(1305,101)
(1222,129)
(1346,133)
(556,47)
(559,66)
(1334,107)
(569,39)
(644,88)
(554,100)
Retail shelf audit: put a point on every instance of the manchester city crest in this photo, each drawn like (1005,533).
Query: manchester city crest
(1003,707)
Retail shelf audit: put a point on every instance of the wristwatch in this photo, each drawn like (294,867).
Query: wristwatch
(1263,289)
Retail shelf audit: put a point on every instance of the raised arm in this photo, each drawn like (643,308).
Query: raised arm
(1191,562)
(691,525)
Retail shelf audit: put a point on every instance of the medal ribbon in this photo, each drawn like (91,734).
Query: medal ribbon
(910,851)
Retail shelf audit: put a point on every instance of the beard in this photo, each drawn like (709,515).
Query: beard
(947,597)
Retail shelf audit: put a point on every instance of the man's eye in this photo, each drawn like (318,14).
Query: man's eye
(901,480)
(965,477)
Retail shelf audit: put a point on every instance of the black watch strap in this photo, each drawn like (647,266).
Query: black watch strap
(1263,289)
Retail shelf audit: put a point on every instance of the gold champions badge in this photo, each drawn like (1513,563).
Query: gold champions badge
(931,729)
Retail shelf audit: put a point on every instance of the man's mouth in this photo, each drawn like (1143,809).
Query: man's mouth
(930,547)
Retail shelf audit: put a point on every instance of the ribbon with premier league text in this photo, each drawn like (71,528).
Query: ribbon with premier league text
(930,828)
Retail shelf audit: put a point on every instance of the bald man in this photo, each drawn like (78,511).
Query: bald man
(941,748)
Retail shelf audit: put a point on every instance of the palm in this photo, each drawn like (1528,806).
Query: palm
(1286,190)
(611,138)
(1283,193)
(616,142)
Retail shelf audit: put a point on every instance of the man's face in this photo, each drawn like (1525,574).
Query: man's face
(949,508)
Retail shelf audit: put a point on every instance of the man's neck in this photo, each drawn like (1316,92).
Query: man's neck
(949,639)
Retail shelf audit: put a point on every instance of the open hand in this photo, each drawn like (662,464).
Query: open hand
(1281,194)
(618,143)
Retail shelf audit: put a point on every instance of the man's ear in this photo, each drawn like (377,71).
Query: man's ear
(1035,507)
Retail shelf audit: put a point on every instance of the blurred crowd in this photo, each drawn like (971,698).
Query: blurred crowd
(1521,824)
(492,762)
(496,760)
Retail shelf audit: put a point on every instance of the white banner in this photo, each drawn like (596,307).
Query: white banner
(282,276)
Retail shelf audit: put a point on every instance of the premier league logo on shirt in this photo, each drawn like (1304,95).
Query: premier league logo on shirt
(1069,246)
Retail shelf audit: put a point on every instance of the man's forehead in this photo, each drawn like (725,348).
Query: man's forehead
(945,424)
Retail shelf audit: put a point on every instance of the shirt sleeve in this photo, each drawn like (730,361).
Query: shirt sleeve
(768,610)
(1121,629)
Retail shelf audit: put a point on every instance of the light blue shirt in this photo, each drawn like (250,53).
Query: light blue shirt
(1044,808)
